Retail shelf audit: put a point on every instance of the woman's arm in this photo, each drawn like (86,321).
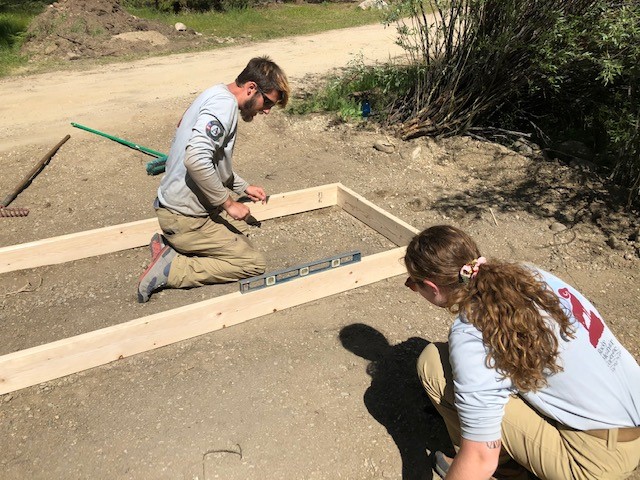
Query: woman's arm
(475,460)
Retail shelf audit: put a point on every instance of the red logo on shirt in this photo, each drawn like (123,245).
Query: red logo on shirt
(589,320)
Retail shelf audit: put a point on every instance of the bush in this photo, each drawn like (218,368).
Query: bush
(588,86)
(24,6)
(378,85)
(564,69)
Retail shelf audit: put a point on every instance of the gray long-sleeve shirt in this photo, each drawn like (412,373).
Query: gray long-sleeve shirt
(199,172)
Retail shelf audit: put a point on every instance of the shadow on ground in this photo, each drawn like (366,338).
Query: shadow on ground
(396,398)
(549,190)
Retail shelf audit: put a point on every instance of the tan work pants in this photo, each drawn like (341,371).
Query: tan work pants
(539,445)
(210,249)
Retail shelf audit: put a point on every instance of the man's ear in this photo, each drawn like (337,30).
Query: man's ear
(251,87)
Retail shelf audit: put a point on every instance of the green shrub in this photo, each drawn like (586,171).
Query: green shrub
(31,7)
(560,69)
(380,85)
(588,86)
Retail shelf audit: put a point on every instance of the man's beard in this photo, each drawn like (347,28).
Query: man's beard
(249,111)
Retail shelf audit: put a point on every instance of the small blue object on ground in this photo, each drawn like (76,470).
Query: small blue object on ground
(366,109)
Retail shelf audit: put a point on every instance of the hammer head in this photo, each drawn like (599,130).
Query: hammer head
(251,220)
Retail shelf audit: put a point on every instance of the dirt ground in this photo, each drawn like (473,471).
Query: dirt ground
(326,390)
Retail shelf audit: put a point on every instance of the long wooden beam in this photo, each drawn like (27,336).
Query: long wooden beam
(384,223)
(45,362)
(115,238)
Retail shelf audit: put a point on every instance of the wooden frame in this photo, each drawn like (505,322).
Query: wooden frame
(38,364)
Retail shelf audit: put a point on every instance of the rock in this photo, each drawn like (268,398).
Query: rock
(417,153)
(597,210)
(613,243)
(370,4)
(180,27)
(384,146)
(153,37)
(522,146)
(573,150)
(557,227)
(416,204)
(583,164)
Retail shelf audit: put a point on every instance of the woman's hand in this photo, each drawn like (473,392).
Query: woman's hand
(475,460)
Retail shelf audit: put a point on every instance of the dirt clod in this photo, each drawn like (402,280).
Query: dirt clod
(87,29)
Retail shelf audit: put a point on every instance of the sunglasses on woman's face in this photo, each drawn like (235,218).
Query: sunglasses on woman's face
(411,283)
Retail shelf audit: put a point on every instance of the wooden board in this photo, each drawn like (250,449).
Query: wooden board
(63,357)
(90,243)
(381,221)
(46,362)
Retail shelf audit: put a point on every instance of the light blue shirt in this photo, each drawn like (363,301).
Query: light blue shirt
(598,388)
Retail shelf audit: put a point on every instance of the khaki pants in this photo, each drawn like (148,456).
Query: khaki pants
(210,249)
(543,447)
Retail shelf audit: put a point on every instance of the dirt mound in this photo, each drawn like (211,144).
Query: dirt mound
(77,29)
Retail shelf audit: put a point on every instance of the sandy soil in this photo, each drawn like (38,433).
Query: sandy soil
(326,390)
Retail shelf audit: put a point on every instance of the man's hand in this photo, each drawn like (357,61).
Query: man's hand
(236,210)
(255,193)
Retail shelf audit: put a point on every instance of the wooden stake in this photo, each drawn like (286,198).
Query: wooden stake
(33,173)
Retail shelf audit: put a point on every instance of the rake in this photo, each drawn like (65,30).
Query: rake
(153,167)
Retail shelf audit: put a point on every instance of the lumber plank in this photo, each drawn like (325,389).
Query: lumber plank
(75,246)
(64,357)
(90,243)
(390,226)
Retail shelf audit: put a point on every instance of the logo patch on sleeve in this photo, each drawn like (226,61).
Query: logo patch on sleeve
(215,130)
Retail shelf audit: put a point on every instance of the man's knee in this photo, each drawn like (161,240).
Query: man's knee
(255,265)
(431,370)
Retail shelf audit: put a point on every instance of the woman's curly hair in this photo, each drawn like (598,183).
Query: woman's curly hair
(507,302)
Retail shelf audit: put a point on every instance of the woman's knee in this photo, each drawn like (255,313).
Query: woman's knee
(432,365)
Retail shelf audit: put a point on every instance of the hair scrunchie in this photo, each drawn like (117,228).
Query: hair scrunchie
(470,270)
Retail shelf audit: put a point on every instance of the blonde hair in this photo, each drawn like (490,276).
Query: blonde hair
(507,302)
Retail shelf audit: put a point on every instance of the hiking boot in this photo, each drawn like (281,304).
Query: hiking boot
(442,464)
(156,275)
(156,244)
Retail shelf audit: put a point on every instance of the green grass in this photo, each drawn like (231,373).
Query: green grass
(256,24)
(265,23)
(12,28)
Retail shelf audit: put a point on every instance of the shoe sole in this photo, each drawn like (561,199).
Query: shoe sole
(156,240)
(165,250)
